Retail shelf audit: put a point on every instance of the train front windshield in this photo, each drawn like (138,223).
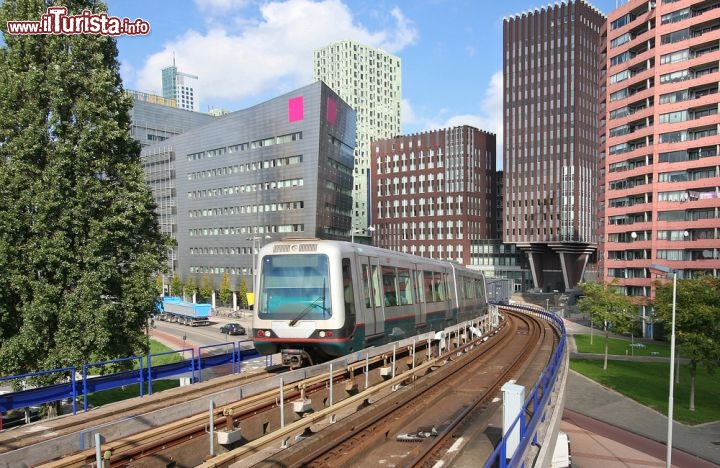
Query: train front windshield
(294,287)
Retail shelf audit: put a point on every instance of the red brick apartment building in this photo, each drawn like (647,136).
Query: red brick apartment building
(659,143)
(433,193)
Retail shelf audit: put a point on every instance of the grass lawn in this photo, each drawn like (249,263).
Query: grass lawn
(128,391)
(619,346)
(132,391)
(648,382)
(157,347)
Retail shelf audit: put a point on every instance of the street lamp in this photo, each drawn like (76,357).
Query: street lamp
(667,270)
(369,229)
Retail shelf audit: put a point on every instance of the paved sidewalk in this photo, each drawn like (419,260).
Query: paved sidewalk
(591,399)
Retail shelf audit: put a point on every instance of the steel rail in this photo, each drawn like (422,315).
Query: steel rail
(427,455)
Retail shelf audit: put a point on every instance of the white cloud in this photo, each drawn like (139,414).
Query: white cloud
(270,55)
(488,118)
(407,114)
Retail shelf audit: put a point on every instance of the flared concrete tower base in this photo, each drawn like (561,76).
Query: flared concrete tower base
(557,266)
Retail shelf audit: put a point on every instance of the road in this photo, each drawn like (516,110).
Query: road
(195,337)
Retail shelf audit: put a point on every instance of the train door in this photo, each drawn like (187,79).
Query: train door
(421,309)
(372,305)
(349,295)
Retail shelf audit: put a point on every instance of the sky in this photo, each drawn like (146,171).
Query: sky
(248,51)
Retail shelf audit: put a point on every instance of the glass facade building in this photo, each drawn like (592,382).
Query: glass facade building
(279,169)
(181,87)
(155,119)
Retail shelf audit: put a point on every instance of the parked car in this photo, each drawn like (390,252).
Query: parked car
(232,329)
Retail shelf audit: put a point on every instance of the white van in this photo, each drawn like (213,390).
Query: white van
(561,455)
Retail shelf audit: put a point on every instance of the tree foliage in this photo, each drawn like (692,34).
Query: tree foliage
(79,240)
(176,285)
(697,321)
(159,285)
(606,307)
(206,287)
(190,287)
(243,294)
(225,291)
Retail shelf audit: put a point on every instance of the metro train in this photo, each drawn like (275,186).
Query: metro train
(320,299)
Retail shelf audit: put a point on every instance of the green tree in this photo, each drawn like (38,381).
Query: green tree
(225,291)
(606,306)
(159,284)
(189,287)
(79,240)
(176,285)
(243,294)
(697,321)
(206,287)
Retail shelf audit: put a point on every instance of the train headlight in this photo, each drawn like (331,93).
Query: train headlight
(322,334)
(263,333)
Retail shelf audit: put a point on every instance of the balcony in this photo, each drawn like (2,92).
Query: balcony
(629,146)
(704,93)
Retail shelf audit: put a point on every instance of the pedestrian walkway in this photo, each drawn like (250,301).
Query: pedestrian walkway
(588,398)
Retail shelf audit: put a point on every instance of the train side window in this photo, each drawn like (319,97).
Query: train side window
(376,286)
(429,286)
(440,287)
(419,286)
(404,286)
(481,289)
(348,291)
(469,288)
(389,285)
(367,291)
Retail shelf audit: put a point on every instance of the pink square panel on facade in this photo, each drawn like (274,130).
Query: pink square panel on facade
(296,110)
(331,111)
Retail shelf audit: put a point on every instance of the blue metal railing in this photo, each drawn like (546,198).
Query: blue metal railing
(535,403)
(76,386)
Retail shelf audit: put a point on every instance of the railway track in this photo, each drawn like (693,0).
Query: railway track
(419,428)
(369,418)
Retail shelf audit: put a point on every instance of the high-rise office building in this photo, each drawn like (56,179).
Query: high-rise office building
(369,80)
(434,193)
(661,147)
(550,160)
(280,168)
(182,87)
(155,119)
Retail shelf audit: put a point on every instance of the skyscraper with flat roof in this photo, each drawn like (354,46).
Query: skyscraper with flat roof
(661,149)
(182,87)
(369,80)
(552,78)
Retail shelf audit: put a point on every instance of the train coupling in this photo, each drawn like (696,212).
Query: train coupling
(295,357)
